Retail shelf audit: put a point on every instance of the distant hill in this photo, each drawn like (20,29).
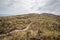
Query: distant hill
(43,26)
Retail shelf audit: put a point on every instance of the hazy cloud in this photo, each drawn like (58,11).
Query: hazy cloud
(12,7)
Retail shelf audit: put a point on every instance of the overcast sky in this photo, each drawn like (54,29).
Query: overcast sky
(13,7)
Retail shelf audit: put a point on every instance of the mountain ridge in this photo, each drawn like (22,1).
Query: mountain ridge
(44,25)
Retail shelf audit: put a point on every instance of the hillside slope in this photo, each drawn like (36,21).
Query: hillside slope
(30,26)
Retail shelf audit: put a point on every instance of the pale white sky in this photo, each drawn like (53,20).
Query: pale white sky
(13,7)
